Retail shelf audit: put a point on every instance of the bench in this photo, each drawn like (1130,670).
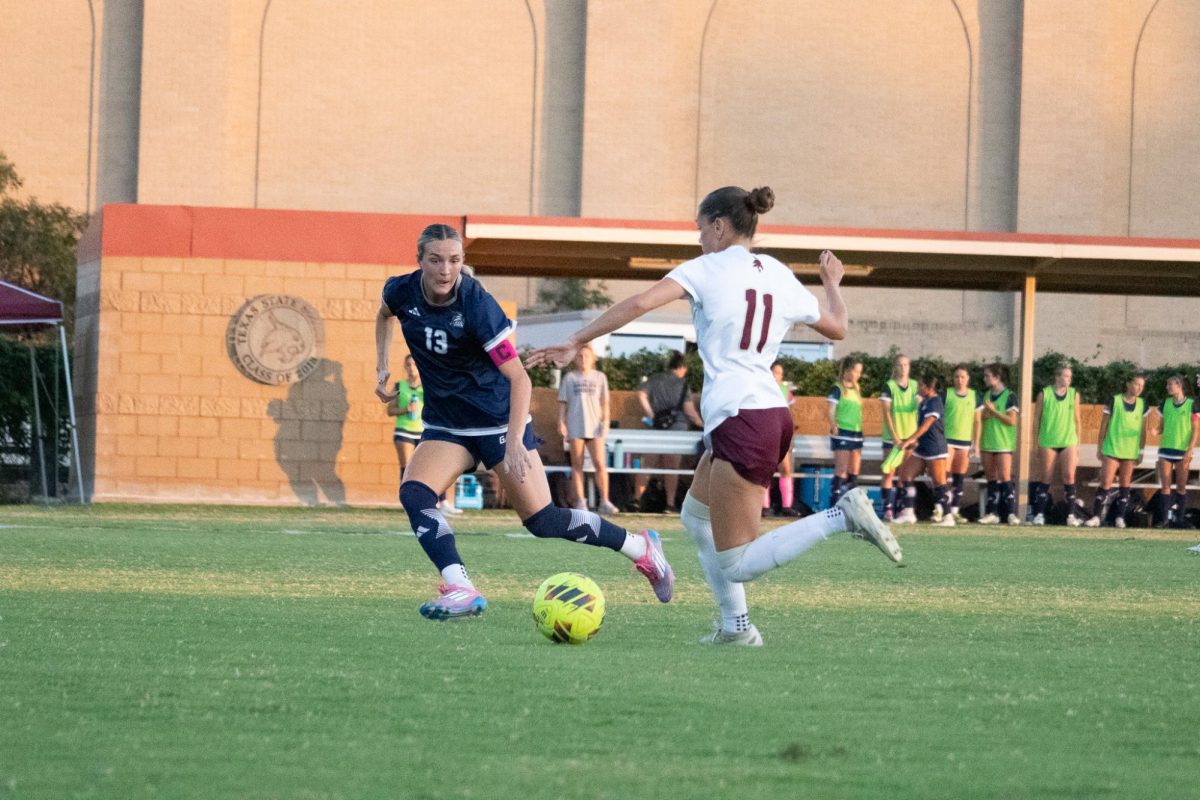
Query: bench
(623,444)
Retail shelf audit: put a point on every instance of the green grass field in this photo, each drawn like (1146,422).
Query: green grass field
(254,653)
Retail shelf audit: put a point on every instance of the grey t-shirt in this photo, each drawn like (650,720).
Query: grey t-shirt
(663,391)
(586,397)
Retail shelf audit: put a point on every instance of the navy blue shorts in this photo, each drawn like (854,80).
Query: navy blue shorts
(960,444)
(488,448)
(846,440)
(408,437)
(1170,454)
(929,454)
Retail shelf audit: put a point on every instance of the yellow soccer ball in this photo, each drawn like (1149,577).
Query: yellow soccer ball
(568,608)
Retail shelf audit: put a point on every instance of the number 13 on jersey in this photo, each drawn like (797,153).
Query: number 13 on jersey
(435,340)
(768,302)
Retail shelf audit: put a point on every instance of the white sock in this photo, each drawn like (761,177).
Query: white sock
(730,596)
(456,575)
(634,547)
(778,547)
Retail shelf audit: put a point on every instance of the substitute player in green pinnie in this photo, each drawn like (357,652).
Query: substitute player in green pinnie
(845,427)
(1178,422)
(963,422)
(1122,437)
(1056,418)
(900,401)
(406,408)
(997,442)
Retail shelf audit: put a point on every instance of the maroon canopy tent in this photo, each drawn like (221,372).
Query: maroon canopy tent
(21,309)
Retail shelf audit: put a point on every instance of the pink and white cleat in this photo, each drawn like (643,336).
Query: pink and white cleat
(454,602)
(655,567)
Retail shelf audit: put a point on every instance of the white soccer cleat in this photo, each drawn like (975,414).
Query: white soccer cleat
(747,638)
(1194,549)
(989,519)
(937,515)
(946,522)
(1119,522)
(862,522)
(1073,521)
(1038,519)
(607,509)
(906,517)
(1093,522)
(1013,519)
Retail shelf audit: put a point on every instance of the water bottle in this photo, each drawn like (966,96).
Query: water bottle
(618,454)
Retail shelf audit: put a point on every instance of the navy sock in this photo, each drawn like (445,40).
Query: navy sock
(1069,496)
(943,493)
(1122,502)
(910,497)
(586,527)
(956,480)
(1100,503)
(901,495)
(1037,494)
(1163,506)
(889,498)
(1180,509)
(851,482)
(992,504)
(435,536)
(1010,499)
(835,489)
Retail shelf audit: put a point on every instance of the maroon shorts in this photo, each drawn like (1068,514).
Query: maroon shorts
(754,441)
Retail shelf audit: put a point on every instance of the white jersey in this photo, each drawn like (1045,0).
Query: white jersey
(743,304)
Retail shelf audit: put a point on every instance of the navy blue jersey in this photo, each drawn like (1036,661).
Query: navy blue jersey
(458,348)
(934,439)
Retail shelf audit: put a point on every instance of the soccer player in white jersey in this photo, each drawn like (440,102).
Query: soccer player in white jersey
(743,303)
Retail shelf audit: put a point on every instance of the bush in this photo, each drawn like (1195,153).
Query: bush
(1096,383)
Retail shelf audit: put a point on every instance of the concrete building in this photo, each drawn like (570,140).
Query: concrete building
(1070,116)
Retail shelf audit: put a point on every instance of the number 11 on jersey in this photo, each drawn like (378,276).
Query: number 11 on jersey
(747,327)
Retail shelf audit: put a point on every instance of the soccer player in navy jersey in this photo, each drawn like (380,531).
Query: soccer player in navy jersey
(477,397)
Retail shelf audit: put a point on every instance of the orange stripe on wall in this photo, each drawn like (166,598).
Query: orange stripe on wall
(260,234)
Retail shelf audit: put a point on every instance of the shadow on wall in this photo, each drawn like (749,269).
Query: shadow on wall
(310,434)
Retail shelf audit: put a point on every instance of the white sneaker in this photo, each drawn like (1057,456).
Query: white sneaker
(907,517)
(1093,522)
(448,509)
(989,519)
(946,522)
(747,638)
(580,505)
(1119,522)
(1013,519)
(1073,521)
(607,509)
(1038,519)
(861,521)
(937,515)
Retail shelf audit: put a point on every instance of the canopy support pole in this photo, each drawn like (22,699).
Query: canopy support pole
(37,423)
(62,337)
(1025,436)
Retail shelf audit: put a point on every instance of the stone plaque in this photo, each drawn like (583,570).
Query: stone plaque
(275,339)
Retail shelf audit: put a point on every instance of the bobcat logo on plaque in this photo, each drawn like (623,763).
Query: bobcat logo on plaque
(275,339)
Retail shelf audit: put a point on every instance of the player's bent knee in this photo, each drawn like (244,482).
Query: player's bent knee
(734,566)
(549,523)
(416,496)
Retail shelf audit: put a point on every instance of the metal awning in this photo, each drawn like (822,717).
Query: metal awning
(629,249)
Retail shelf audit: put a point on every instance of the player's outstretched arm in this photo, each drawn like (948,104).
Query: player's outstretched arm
(383,343)
(615,317)
(834,319)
